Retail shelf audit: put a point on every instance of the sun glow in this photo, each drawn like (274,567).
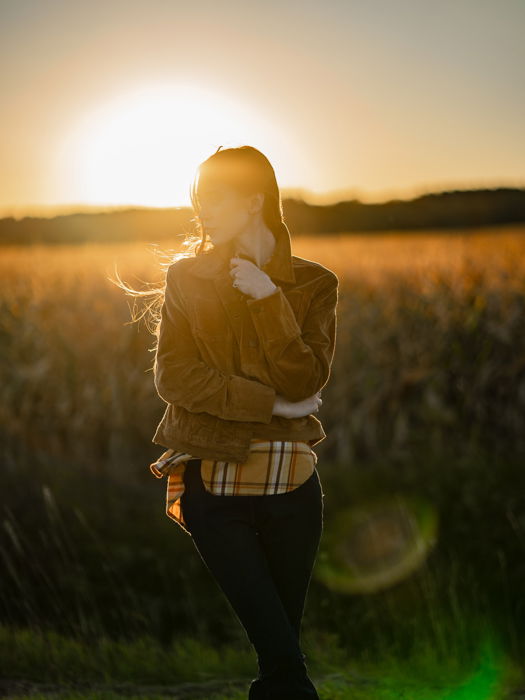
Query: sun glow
(143,147)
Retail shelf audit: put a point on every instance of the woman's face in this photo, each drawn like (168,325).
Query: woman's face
(224,213)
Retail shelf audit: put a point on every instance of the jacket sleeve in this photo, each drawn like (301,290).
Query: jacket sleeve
(182,378)
(299,360)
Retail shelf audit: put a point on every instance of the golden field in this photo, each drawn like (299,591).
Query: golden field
(76,370)
(426,398)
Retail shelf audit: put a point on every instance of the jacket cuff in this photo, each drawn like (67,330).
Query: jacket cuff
(273,317)
(251,401)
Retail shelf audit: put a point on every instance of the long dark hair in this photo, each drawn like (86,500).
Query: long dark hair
(245,169)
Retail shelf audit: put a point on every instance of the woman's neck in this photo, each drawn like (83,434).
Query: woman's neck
(257,243)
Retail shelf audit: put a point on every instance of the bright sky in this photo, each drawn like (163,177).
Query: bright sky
(115,102)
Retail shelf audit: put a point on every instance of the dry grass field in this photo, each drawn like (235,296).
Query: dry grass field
(71,354)
(427,396)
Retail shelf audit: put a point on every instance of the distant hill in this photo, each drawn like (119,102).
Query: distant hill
(447,209)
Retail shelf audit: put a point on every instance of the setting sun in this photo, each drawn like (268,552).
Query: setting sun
(143,146)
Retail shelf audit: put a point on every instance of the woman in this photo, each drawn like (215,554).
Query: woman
(245,344)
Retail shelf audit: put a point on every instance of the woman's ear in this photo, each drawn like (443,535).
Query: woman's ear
(256,202)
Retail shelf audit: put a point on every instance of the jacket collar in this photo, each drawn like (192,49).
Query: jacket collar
(215,261)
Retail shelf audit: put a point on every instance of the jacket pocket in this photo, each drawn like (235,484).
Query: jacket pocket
(197,428)
(207,319)
(227,434)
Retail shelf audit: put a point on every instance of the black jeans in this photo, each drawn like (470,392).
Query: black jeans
(261,550)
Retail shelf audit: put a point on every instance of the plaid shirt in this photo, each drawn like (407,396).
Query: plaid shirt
(272,467)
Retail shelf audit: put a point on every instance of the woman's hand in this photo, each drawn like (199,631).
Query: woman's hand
(250,279)
(288,409)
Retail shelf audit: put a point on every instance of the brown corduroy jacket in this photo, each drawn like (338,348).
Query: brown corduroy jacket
(222,356)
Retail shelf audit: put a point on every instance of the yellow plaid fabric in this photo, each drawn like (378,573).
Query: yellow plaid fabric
(272,467)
